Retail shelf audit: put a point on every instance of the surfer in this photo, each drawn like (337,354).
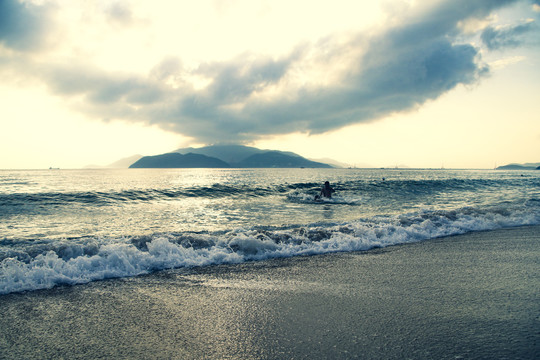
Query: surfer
(326,191)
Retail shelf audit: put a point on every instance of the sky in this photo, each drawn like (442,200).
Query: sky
(417,83)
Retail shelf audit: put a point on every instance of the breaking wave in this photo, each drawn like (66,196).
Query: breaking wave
(48,263)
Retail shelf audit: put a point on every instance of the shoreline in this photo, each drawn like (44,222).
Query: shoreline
(468,296)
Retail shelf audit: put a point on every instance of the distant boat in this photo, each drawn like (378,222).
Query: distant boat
(53,168)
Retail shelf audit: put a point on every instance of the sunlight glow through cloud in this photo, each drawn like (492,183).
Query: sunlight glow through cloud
(249,71)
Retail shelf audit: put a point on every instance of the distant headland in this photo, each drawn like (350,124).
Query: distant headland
(227,156)
(526,166)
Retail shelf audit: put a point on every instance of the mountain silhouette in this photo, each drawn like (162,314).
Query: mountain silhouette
(527,166)
(226,156)
(227,153)
(176,160)
(277,159)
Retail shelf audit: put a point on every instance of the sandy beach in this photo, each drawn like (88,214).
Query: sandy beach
(474,296)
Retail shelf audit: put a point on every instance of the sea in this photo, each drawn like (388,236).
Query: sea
(68,227)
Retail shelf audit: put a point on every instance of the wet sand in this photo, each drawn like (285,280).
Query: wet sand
(474,296)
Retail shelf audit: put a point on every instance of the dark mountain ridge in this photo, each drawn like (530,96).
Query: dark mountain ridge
(230,153)
(176,160)
(226,156)
(526,166)
(279,159)
(227,153)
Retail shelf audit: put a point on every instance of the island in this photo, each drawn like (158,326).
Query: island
(176,160)
(526,166)
(227,156)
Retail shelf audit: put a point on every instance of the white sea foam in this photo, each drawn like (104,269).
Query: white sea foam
(310,198)
(123,258)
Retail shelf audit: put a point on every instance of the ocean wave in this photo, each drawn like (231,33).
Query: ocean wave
(76,261)
(301,197)
(300,192)
(113,197)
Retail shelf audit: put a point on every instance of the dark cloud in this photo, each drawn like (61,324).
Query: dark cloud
(119,12)
(23,26)
(506,37)
(399,70)
(106,95)
(235,80)
(385,85)
(249,96)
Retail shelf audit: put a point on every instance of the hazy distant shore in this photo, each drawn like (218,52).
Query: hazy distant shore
(469,296)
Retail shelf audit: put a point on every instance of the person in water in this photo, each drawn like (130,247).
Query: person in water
(326,191)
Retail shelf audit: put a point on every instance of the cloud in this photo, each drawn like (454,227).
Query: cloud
(119,12)
(317,87)
(23,26)
(397,71)
(504,62)
(497,38)
(100,88)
